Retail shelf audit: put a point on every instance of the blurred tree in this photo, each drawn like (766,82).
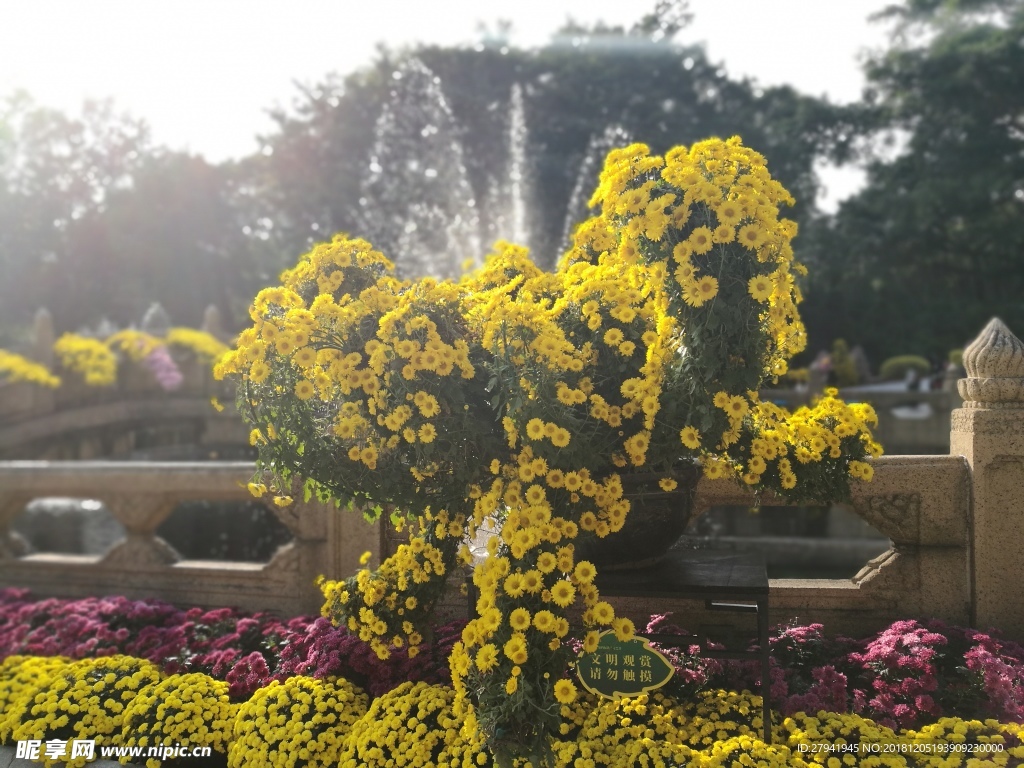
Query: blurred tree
(56,172)
(306,179)
(843,367)
(95,222)
(177,237)
(662,93)
(934,245)
(665,21)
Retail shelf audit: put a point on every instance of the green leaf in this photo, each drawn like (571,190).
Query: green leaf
(372,514)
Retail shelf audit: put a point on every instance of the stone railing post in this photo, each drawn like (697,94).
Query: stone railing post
(212,323)
(328,542)
(989,432)
(349,535)
(307,522)
(43,338)
(11,505)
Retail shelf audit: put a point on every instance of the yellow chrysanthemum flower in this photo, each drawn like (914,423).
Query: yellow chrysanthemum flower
(760,288)
(562,593)
(565,692)
(690,437)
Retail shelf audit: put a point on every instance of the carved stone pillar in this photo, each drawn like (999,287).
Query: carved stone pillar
(43,338)
(212,322)
(989,432)
(307,522)
(141,514)
(328,542)
(349,535)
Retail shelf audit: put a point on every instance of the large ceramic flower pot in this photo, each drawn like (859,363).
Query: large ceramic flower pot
(656,520)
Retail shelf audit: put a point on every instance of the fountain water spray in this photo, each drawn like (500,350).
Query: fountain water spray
(507,199)
(517,167)
(587,177)
(417,205)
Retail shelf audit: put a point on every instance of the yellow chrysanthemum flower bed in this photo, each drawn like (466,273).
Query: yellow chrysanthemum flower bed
(304,722)
(200,343)
(93,360)
(96,360)
(18,368)
(190,708)
(520,398)
(301,721)
(75,700)
(21,678)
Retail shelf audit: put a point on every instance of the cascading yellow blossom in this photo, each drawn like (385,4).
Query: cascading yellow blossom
(513,399)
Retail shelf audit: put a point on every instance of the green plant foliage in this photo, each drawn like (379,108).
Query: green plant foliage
(896,368)
(842,364)
(934,245)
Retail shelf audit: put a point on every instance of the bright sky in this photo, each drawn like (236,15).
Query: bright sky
(203,73)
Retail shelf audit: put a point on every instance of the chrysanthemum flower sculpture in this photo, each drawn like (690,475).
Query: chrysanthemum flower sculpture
(523,398)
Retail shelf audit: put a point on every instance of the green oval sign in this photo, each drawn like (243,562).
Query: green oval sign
(620,669)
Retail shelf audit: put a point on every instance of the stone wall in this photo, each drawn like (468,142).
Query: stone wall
(922,504)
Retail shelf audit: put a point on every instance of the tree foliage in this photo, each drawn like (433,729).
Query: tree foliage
(97,223)
(56,172)
(934,245)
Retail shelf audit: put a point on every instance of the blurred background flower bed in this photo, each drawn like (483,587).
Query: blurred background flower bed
(262,691)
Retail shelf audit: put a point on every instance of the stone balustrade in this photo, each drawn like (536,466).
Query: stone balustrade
(141,495)
(954,523)
(989,432)
(922,504)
